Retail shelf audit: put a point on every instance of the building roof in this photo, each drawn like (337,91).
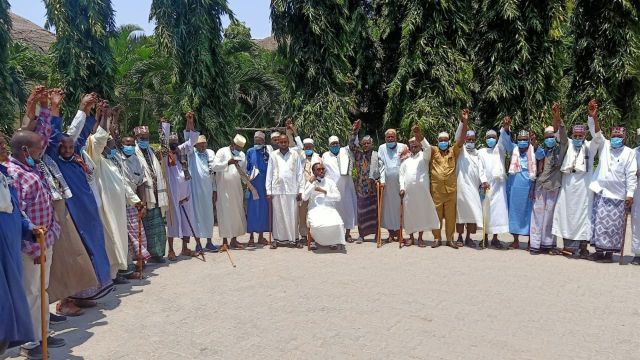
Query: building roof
(30,34)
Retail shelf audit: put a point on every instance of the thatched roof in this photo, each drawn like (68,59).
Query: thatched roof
(268,43)
(30,34)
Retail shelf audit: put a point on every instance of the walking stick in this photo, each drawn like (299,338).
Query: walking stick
(624,236)
(190,226)
(140,266)
(43,303)
(225,248)
(400,234)
(270,221)
(308,239)
(379,200)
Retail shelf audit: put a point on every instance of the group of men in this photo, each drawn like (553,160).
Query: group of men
(106,202)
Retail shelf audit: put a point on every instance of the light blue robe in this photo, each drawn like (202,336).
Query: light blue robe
(203,184)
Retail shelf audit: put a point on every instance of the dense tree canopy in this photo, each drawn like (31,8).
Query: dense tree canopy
(391,63)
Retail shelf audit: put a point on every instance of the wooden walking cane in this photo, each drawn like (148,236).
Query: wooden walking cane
(190,226)
(140,265)
(225,248)
(624,235)
(379,209)
(44,312)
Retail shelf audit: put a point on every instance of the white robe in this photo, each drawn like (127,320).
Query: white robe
(493,172)
(389,167)
(469,206)
(572,214)
(180,189)
(116,194)
(284,182)
(232,221)
(635,212)
(419,211)
(324,221)
(203,184)
(339,169)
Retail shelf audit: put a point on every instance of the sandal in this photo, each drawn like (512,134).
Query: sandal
(262,241)
(172,256)
(348,238)
(68,308)
(251,244)
(85,303)
(452,245)
(635,261)
(497,244)
(188,253)
(515,245)
(236,245)
(436,243)
(408,242)
(469,243)
(421,243)
(555,252)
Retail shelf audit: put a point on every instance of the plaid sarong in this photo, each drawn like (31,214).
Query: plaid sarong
(132,229)
(155,231)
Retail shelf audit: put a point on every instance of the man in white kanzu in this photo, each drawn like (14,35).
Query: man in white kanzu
(389,166)
(229,205)
(572,216)
(468,205)
(419,211)
(614,183)
(284,189)
(325,223)
(338,162)
(494,183)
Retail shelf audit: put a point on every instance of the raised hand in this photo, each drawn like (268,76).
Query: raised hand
(593,108)
(417,133)
(464,115)
(356,126)
(87,102)
(506,123)
(56,96)
(289,124)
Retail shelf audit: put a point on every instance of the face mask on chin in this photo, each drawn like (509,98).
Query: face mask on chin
(391,145)
(143,144)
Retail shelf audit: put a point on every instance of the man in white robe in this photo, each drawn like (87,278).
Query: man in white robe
(181,220)
(389,167)
(325,223)
(635,212)
(419,211)
(468,204)
(203,192)
(338,162)
(232,221)
(572,216)
(115,194)
(494,182)
(614,183)
(284,184)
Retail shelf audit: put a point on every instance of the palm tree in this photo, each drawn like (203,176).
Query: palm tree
(7,105)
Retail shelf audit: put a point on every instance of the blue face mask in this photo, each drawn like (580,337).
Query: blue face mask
(443,145)
(577,142)
(128,150)
(550,142)
(235,152)
(470,146)
(335,149)
(258,147)
(491,142)
(30,161)
(616,142)
(144,144)
(112,154)
(523,144)
(308,152)
(391,145)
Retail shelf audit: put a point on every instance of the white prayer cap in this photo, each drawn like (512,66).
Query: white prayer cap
(492,133)
(549,130)
(390,131)
(201,139)
(443,134)
(259,134)
(333,139)
(307,141)
(471,133)
(240,140)
(638,132)
(275,134)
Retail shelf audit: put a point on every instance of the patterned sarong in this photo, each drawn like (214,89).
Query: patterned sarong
(542,220)
(132,229)
(155,232)
(367,215)
(607,222)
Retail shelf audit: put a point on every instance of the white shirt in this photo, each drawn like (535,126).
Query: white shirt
(284,174)
(615,176)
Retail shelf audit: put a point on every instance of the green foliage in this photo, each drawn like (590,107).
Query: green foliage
(7,104)
(606,59)
(518,60)
(190,33)
(83,58)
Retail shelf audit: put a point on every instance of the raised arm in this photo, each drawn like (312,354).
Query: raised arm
(464,118)
(505,136)
(559,127)
(353,140)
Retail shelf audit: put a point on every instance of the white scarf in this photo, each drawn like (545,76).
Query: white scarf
(576,160)
(345,161)
(163,200)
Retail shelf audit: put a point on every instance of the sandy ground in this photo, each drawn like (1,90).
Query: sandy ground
(366,303)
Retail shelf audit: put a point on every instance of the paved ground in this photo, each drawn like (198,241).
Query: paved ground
(367,303)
